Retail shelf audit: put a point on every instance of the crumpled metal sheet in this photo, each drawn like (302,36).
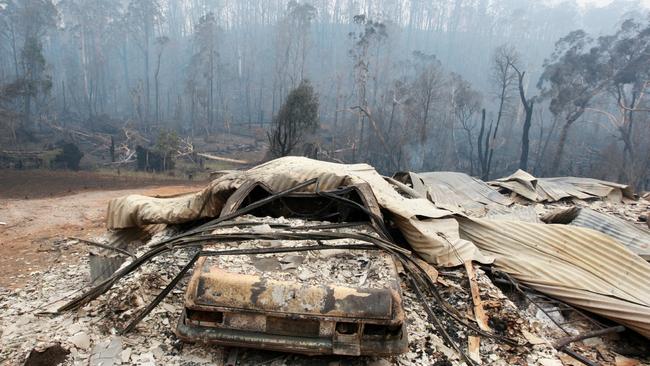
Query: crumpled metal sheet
(466,195)
(633,237)
(555,189)
(455,191)
(514,213)
(430,231)
(579,266)
(138,211)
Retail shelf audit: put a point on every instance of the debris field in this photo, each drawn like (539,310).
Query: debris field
(442,241)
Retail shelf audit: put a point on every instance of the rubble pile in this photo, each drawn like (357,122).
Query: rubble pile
(90,335)
(338,267)
(506,319)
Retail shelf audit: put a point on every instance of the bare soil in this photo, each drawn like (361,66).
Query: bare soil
(68,205)
(27,184)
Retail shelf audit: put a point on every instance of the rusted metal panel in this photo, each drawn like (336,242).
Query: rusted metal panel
(218,288)
(365,341)
(244,310)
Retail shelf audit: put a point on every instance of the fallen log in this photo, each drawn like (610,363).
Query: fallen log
(219,158)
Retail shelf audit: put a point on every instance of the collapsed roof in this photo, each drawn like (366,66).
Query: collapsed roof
(635,238)
(431,231)
(454,191)
(525,185)
(583,267)
(579,266)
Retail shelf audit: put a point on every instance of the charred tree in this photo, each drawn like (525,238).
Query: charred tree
(528,104)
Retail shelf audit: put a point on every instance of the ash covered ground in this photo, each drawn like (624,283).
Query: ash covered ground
(31,328)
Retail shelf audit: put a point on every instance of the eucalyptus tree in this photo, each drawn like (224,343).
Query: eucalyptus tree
(466,103)
(292,46)
(625,58)
(369,33)
(572,77)
(427,88)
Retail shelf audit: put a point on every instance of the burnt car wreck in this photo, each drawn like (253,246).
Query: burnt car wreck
(314,258)
(244,310)
(259,308)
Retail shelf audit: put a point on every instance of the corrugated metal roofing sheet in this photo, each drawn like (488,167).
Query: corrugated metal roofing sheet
(579,266)
(635,238)
(461,189)
(454,191)
(555,189)
(514,213)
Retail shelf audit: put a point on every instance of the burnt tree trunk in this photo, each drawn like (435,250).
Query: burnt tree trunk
(571,117)
(481,158)
(528,109)
(559,151)
(525,140)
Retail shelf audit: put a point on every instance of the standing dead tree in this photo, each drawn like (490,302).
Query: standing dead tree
(389,154)
(291,48)
(142,16)
(372,34)
(161,42)
(483,143)
(504,78)
(204,64)
(466,102)
(528,104)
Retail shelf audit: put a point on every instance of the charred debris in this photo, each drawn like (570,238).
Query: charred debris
(299,261)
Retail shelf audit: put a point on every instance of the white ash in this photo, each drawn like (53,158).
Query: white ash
(358,268)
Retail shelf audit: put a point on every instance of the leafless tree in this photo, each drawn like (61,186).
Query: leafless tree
(504,79)
(466,103)
(528,104)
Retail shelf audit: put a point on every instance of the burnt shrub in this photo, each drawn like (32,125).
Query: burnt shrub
(69,157)
(153,161)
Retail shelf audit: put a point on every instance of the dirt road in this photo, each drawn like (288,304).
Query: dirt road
(31,229)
